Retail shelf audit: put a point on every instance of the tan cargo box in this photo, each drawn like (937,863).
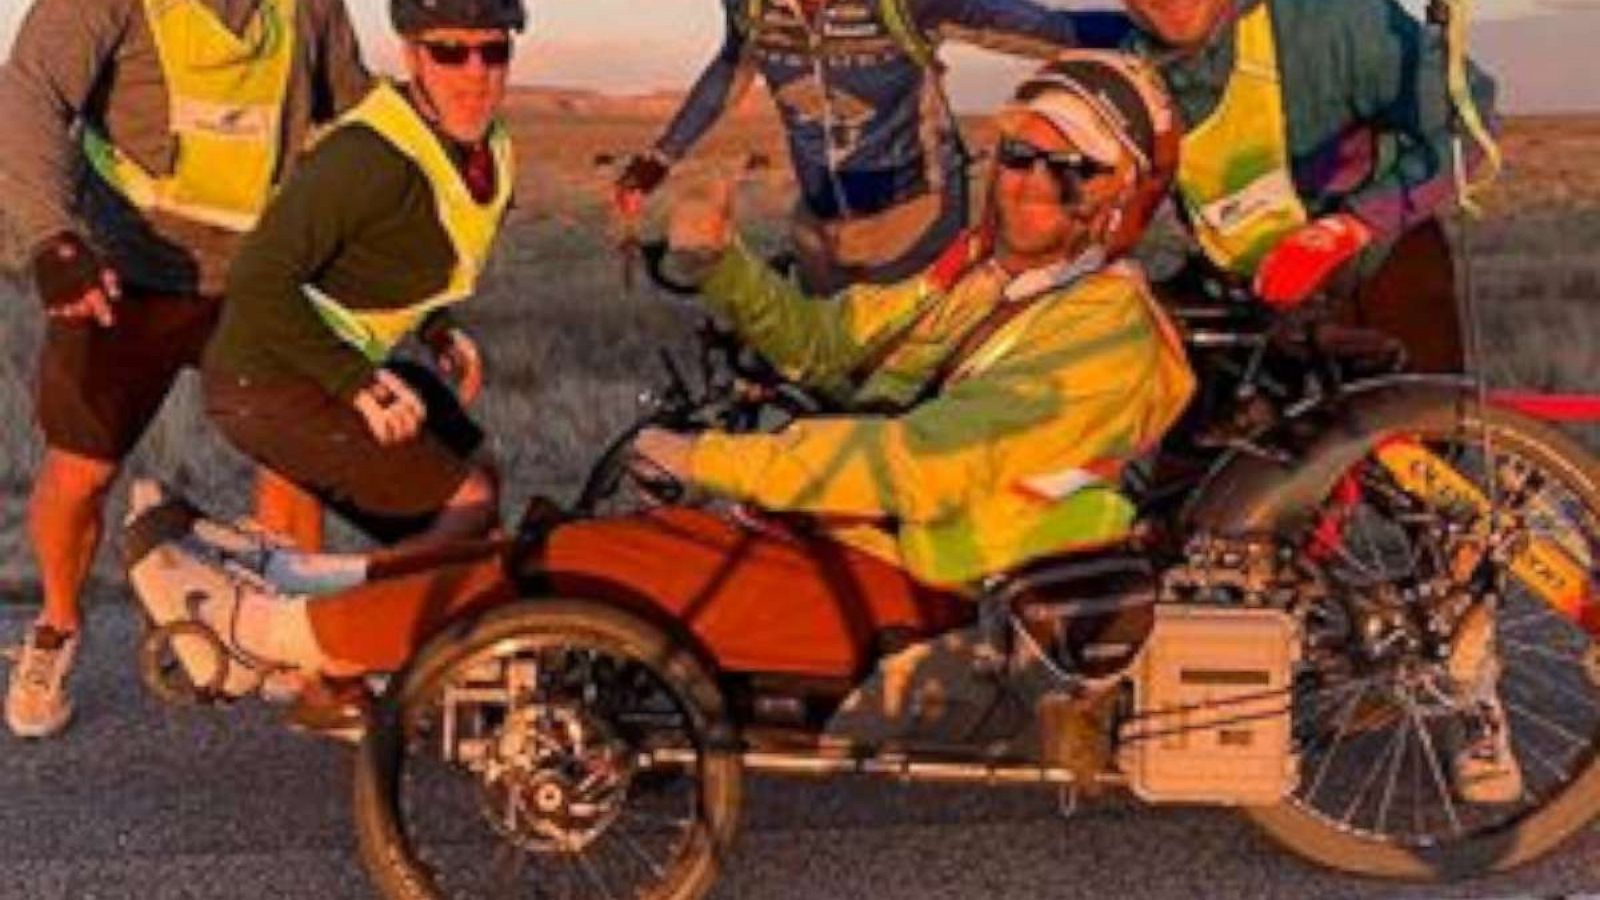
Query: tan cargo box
(1212,720)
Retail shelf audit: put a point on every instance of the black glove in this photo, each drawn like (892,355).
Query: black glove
(644,173)
(64,269)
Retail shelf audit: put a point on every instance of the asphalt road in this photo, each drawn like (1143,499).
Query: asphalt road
(140,801)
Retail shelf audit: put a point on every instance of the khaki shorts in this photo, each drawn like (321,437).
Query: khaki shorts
(319,442)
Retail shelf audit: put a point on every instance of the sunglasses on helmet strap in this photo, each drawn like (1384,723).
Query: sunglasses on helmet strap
(493,54)
(1070,168)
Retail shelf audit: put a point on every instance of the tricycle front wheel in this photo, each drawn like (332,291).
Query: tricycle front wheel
(551,748)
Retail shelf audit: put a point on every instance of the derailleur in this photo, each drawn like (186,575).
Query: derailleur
(1241,571)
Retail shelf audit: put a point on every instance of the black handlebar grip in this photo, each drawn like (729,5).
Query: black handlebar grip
(655,255)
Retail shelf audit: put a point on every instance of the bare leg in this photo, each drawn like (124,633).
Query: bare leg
(469,516)
(64,523)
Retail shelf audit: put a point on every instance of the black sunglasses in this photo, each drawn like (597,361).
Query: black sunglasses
(494,54)
(1071,169)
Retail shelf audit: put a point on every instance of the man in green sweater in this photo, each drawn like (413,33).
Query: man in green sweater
(1319,141)
(386,226)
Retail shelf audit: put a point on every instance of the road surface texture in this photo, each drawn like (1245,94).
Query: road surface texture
(141,801)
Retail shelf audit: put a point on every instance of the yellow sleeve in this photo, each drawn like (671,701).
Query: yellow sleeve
(1076,389)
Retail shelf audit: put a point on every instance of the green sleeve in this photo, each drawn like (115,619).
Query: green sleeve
(347,183)
(815,341)
(921,467)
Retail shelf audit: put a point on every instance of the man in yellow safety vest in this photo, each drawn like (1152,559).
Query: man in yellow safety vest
(181,116)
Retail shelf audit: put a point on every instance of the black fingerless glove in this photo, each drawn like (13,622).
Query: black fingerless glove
(64,269)
(644,173)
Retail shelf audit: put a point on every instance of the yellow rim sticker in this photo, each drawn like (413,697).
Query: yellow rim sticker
(1539,562)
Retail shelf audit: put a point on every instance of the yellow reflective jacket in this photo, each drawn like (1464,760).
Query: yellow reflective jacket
(1014,458)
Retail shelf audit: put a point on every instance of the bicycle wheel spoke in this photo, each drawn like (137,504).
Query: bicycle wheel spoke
(1431,756)
(1393,779)
(1343,726)
(1545,681)
(593,877)
(1510,624)
(660,822)
(1518,709)
(1526,747)
(1371,778)
(1522,647)
(508,866)
(638,852)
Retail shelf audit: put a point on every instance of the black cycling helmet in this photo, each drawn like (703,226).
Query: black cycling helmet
(413,16)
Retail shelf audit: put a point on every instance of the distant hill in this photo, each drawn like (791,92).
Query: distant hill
(539,100)
(1544,63)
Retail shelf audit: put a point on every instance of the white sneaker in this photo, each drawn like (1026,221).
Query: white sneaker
(1484,766)
(157,515)
(1485,769)
(181,580)
(37,702)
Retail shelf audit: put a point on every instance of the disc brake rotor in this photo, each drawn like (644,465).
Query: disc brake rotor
(559,778)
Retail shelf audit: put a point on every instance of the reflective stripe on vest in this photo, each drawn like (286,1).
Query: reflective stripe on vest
(470,225)
(225,98)
(1233,171)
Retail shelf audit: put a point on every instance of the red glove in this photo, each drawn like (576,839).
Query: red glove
(1302,262)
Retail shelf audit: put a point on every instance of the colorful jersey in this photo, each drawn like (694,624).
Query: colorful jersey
(866,123)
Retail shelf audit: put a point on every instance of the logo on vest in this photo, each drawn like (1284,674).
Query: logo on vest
(1264,196)
(223,120)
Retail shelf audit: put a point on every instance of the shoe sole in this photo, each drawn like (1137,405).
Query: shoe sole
(352,735)
(38,731)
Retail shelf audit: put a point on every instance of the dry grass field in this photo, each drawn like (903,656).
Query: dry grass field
(569,350)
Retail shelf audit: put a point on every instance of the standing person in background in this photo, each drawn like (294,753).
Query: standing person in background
(1319,142)
(180,116)
(1319,154)
(876,148)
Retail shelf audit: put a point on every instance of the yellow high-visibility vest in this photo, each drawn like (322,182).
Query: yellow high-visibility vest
(225,95)
(1234,173)
(471,226)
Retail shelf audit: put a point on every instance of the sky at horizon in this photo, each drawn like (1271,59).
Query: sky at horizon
(608,45)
